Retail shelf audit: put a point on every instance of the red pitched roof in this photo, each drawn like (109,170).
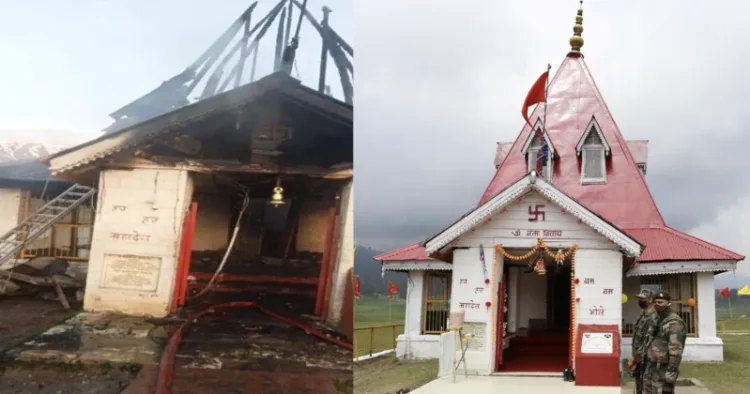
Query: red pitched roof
(624,200)
(413,252)
(667,243)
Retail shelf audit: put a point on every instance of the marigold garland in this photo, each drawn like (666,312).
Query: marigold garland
(559,256)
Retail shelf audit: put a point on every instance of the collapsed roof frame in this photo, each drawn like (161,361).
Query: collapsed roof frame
(174,93)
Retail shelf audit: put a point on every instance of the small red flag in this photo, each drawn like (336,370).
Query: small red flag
(536,95)
(724,292)
(357,294)
(392,289)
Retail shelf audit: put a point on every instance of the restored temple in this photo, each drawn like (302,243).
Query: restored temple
(548,250)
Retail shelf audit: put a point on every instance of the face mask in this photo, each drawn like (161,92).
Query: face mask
(643,304)
(663,309)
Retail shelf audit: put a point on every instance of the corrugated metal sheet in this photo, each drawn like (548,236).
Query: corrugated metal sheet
(666,243)
(639,150)
(502,150)
(413,252)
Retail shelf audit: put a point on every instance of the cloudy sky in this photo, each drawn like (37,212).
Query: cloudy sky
(439,85)
(67,64)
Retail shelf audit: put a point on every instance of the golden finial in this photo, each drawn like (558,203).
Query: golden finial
(576,42)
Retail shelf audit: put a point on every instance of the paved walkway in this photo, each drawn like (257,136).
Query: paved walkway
(509,385)
(525,385)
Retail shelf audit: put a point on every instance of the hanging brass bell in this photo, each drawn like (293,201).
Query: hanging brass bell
(539,267)
(277,197)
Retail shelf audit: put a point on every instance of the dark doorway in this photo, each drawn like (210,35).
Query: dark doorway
(558,299)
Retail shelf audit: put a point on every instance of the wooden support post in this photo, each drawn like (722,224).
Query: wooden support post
(326,261)
(61,294)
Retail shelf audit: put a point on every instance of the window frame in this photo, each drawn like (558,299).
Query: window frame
(585,150)
(536,150)
(444,300)
(643,283)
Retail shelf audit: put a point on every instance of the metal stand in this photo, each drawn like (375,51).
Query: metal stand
(461,339)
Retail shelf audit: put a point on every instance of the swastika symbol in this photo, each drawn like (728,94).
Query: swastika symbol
(538,211)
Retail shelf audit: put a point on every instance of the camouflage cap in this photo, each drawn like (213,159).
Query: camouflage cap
(662,295)
(645,294)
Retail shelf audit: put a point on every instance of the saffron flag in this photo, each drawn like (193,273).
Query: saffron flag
(357,294)
(536,95)
(392,289)
(724,292)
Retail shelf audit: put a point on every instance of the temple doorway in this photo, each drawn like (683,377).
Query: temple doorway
(539,308)
(558,299)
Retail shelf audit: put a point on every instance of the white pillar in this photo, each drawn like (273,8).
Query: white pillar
(706,305)
(603,270)
(414,303)
(410,344)
(136,240)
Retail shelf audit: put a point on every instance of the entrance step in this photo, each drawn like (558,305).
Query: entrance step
(529,374)
(541,340)
(538,351)
(536,364)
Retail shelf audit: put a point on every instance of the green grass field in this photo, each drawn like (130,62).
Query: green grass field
(738,312)
(388,375)
(733,325)
(729,377)
(373,322)
(371,310)
(375,328)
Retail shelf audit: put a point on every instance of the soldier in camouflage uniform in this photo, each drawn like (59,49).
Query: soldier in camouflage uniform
(642,334)
(664,354)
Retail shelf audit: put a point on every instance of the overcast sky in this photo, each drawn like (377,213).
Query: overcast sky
(67,64)
(438,86)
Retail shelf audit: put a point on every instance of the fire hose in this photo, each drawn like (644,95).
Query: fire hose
(165,376)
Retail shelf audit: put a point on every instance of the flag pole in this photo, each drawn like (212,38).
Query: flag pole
(544,123)
(729,300)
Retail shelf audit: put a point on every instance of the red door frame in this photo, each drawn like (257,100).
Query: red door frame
(183,262)
(500,335)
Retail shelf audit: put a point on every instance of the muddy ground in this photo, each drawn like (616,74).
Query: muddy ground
(25,317)
(255,354)
(66,379)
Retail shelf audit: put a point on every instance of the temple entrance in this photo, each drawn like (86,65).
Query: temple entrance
(539,308)
(558,299)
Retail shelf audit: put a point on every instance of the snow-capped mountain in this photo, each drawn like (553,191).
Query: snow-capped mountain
(10,151)
(31,143)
